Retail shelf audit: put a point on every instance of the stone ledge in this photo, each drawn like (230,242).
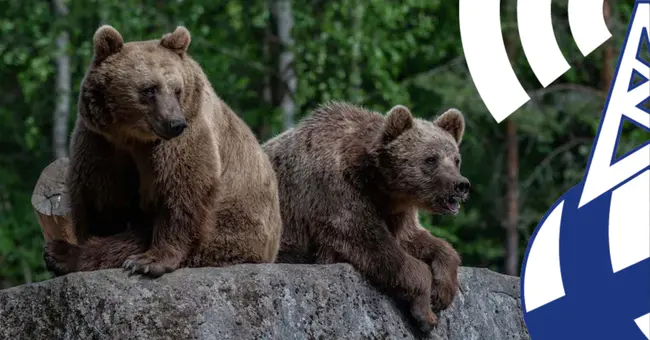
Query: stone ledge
(272,301)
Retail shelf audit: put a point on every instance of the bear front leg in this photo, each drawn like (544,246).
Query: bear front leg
(175,232)
(180,185)
(443,260)
(179,227)
(375,253)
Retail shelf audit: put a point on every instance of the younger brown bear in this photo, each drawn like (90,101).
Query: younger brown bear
(351,183)
(163,174)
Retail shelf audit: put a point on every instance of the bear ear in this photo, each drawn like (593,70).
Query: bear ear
(106,42)
(453,122)
(177,41)
(398,120)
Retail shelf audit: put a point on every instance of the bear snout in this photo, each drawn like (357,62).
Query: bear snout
(462,186)
(175,127)
(168,129)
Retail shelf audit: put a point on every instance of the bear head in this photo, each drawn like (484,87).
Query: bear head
(419,160)
(140,90)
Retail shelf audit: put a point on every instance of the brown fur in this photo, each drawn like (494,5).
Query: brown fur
(148,194)
(351,182)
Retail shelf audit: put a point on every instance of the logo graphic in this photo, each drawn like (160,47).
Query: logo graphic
(485,52)
(586,273)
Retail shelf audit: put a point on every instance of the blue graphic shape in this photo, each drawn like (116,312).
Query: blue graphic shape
(597,303)
(593,295)
(636,80)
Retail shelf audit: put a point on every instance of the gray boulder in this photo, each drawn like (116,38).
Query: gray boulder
(249,302)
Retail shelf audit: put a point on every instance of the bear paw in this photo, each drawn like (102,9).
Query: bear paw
(425,319)
(149,265)
(443,293)
(60,257)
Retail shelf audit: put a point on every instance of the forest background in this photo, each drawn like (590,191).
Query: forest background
(273,61)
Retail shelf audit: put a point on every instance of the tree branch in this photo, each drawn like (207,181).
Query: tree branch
(568,87)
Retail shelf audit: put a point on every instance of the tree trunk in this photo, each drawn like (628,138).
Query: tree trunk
(264,129)
(63,84)
(51,204)
(608,52)
(512,168)
(284,18)
(267,94)
(358,10)
(512,200)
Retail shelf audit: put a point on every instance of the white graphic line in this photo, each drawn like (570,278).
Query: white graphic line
(487,60)
(538,40)
(543,276)
(629,223)
(587,24)
(601,175)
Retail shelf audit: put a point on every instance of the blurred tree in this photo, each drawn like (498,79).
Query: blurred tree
(608,51)
(512,164)
(63,74)
(283,15)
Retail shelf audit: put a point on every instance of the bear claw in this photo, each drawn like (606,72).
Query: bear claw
(429,324)
(146,265)
(425,318)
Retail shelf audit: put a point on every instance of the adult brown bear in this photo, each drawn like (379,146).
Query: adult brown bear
(351,182)
(163,174)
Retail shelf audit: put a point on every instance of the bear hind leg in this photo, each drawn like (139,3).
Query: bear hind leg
(95,253)
(237,238)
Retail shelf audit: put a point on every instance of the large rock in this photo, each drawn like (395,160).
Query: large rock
(249,302)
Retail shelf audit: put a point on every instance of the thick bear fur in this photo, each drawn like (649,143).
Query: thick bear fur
(351,182)
(163,174)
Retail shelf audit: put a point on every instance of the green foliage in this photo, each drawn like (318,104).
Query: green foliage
(374,52)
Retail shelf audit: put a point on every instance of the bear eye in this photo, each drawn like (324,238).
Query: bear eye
(432,160)
(149,91)
(178,93)
(457,161)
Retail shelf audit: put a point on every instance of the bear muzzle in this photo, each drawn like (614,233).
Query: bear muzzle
(169,129)
(459,194)
(462,187)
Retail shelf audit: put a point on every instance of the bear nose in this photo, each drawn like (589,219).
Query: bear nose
(463,186)
(176,127)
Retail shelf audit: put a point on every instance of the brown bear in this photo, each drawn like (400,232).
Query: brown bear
(351,182)
(163,174)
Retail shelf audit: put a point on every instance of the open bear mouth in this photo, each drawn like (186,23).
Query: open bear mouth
(452,203)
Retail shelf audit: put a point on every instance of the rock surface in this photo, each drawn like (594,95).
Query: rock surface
(249,302)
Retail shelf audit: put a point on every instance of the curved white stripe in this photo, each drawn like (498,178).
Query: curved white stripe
(538,40)
(587,24)
(487,60)
(629,223)
(543,276)
(643,323)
